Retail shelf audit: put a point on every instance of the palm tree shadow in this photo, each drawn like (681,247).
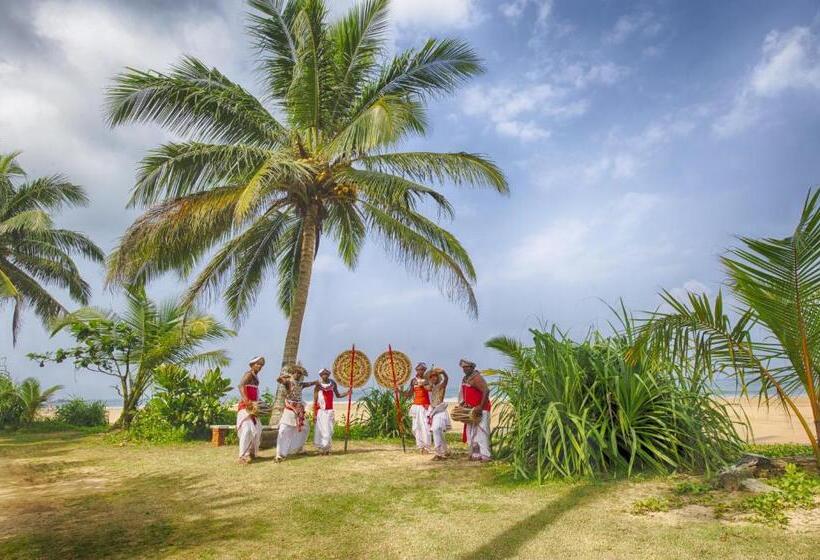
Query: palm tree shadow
(508,543)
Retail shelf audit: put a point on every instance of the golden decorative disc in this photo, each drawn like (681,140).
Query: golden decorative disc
(384,374)
(361,369)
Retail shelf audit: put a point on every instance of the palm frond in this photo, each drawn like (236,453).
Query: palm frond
(193,99)
(270,27)
(459,168)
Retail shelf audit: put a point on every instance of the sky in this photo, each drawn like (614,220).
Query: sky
(639,139)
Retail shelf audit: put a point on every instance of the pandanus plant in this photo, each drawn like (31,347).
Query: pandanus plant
(258,184)
(772,343)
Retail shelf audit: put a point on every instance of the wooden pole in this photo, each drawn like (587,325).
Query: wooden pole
(350,394)
(399,416)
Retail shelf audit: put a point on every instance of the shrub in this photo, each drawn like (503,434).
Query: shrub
(79,412)
(377,415)
(183,406)
(797,490)
(579,409)
(11,407)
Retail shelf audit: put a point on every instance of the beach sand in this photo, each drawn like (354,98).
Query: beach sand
(770,425)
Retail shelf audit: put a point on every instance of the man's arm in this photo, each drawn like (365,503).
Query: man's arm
(337,393)
(246,379)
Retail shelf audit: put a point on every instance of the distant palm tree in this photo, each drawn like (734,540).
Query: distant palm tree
(32,396)
(131,346)
(264,185)
(775,342)
(33,253)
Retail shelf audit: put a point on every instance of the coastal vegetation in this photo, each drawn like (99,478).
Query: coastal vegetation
(130,347)
(771,343)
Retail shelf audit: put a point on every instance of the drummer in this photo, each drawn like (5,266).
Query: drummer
(476,394)
(418,410)
(248,426)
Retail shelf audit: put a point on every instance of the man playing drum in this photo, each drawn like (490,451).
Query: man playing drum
(437,416)
(323,394)
(293,427)
(418,410)
(476,394)
(248,426)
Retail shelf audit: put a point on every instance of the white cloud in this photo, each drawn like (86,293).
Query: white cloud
(642,23)
(515,9)
(436,13)
(593,245)
(519,111)
(790,60)
(690,287)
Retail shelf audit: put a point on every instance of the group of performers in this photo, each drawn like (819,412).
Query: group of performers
(430,418)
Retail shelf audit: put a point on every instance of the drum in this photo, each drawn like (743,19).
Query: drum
(383,372)
(465,414)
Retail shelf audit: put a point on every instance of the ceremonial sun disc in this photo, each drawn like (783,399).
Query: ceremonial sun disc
(383,372)
(361,369)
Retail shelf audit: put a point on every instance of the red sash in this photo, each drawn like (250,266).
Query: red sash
(252,393)
(420,395)
(472,397)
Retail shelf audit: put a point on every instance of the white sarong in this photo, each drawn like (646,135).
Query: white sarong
(249,432)
(290,440)
(323,430)
(478,437)
(439,422)
(421,429)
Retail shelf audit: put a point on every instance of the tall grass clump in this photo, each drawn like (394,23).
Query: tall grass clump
(377,414)
(574,409)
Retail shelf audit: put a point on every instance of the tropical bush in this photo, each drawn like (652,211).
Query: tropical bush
(20,402)
(129,347)
(377,414)
(11,407)
(183,406)
(79,412)
(572,409)
(771,345)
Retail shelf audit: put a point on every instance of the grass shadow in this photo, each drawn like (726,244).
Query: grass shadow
(509,542)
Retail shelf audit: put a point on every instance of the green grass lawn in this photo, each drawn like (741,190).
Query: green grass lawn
(73,495)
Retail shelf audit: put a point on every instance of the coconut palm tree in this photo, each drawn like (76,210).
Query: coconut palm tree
(129,347)
(33,253)
(32,396)
(262,182)
(774,343)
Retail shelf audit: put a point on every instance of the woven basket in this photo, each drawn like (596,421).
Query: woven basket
(384,373)
(361,369)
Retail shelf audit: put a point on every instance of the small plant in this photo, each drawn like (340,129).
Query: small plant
(690,488)
(775,450)
(79,412)
(377,414)
(654,504)
(797,490)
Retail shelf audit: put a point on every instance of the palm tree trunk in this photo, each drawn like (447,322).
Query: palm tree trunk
(299,304)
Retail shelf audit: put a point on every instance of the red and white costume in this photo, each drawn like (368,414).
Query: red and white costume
(477,436)
(325,418)
(418,413)
(248,427)
(293,426)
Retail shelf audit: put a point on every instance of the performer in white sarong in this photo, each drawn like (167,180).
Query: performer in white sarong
(418,410)
(437,416)
(325,418)
(476,394)
(248,426)
(293,427)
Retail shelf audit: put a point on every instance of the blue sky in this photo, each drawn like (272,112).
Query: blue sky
(638,138)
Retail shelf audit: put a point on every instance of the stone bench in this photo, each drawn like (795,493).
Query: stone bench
(219,431)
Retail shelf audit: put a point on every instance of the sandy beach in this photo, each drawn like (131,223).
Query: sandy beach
(770,425)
